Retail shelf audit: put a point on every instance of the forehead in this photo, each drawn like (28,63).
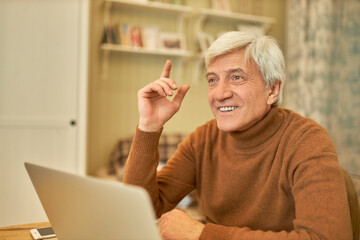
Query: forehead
(231,60)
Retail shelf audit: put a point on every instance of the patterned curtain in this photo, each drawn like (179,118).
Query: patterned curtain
(323,63)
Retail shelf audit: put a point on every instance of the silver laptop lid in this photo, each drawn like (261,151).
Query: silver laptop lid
(87,208)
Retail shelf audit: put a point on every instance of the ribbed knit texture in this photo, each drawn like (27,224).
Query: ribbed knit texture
(280,179)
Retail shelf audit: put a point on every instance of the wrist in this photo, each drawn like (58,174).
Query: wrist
(149,127)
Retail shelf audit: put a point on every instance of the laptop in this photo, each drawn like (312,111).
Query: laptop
(81,207)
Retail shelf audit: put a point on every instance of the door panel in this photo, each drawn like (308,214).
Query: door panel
(45,146)
(40,48)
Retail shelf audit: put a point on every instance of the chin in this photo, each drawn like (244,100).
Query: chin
(232,125)
(226,127)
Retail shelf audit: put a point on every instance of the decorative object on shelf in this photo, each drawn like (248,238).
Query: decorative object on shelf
(150,34)
(171,41)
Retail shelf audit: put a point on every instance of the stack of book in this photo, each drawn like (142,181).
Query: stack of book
(148,36)
(135,36)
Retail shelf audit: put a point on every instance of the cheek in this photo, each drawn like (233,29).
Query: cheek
(258,95)
(263,97)
(210,97)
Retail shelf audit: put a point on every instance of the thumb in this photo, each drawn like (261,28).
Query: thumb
(181,94)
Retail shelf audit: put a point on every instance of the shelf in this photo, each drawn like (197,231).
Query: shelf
(236,16)
(152,5)
(107,48)
(160,52)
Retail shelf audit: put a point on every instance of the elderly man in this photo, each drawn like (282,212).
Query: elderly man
(261,172)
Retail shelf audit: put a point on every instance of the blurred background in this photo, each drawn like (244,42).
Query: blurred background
(70,71)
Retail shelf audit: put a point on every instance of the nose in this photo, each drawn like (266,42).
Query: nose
(222,91)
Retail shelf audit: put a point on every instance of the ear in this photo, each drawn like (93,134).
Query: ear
(274,92)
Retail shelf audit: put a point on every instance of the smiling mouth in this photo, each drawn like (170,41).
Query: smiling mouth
(227,109)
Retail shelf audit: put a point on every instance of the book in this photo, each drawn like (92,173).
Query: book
(135,34)
(125,35)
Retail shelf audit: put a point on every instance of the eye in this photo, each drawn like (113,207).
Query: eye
(212,81)
(238,79)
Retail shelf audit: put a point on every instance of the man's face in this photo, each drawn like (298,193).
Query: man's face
(237,94)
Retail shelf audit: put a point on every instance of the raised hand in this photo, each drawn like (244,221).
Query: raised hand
(155,108)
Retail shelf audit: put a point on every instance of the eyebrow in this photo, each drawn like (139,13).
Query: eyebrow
(232,70)
(209,73)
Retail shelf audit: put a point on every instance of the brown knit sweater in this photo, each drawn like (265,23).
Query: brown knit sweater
(280,179)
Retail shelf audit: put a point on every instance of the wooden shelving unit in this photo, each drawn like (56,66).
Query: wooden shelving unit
(198,16)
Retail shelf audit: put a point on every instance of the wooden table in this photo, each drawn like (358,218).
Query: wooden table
(21,232)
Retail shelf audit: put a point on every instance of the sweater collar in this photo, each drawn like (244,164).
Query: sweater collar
(261,131)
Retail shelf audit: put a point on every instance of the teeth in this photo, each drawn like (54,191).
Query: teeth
(227,109)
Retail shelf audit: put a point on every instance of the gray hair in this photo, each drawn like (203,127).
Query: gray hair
(264,50)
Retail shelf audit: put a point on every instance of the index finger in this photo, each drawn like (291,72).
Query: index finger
(167,68)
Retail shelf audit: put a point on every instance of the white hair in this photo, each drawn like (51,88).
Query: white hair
(264,50)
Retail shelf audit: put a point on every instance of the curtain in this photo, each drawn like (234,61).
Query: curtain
(323,71)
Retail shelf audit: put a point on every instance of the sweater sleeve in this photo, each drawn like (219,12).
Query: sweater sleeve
(166,187)
(317,185)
